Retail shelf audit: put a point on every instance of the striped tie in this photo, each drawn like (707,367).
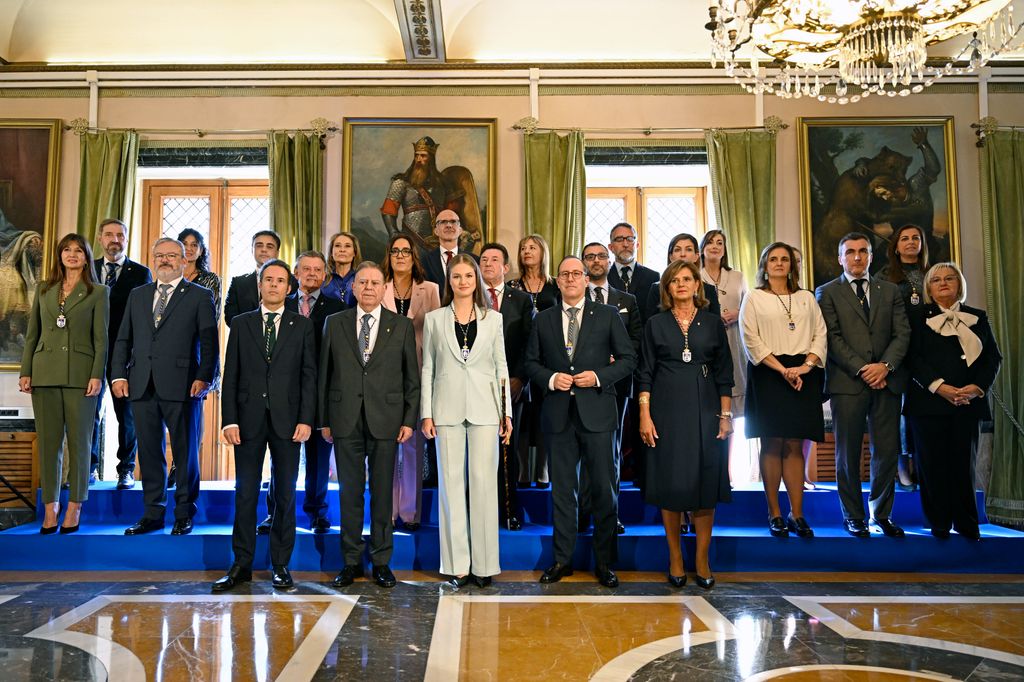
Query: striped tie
(161,304)
(270,333)
(574,331)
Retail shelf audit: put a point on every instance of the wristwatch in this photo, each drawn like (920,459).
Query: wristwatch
(726,415)
(808,363)
(889,367)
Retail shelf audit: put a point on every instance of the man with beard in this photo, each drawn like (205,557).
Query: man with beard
(422,191)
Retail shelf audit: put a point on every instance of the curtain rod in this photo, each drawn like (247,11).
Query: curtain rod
(772,124)
(81,127)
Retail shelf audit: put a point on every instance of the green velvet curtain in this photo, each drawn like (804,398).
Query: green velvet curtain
(556,191)
(107,186)
(1002,212)
(742,164)
(296,192)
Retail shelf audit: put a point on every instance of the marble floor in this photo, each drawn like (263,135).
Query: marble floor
(784,627)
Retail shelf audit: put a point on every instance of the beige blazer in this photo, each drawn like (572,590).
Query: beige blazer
(453,390)
(424,299)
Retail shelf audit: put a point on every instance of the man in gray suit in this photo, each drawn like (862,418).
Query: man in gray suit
(868,337)
(369,398)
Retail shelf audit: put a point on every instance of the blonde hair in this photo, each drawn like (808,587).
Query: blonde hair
(962,284)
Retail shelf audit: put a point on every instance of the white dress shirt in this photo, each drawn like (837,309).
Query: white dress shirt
(499,293)
(565,335)
(170,292)
(604,291)
(867,285)
(119,262)
(374,324)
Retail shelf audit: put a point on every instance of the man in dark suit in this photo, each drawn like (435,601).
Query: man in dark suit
(268,399)
(448,229)
(628,275)
(311,270)
(516,308)
(121,275)
(369,398)
(570,353)
(868,337)
(165,359)
(595,259)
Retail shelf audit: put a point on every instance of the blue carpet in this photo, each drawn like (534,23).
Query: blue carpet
(741,543)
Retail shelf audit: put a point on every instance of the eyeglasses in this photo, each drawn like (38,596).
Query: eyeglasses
(595,256)
(401,252)
(447,222)
(571,276)
(948,279)
(166,256)
(625,240)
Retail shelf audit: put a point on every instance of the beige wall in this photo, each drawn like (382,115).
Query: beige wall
(612,111)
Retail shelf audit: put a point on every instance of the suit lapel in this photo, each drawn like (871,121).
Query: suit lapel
(255,325)
(419,300)
(586,319)
(348,330)
(383,334)
(179,293)
(449,333)
(284,331)
(875,302)
(846,291)
(76,296)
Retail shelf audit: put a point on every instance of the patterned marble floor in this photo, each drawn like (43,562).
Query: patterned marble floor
(835,627)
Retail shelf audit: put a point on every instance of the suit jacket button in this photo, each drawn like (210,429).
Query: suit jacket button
(264,395)
(63,347)
(571,368)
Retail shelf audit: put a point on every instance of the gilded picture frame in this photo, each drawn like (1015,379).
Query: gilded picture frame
(874,175)
(380,179)
(29,179)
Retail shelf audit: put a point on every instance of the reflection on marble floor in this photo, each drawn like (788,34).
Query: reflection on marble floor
(790,631)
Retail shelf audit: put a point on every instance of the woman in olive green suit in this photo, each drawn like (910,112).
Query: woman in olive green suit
(62,367)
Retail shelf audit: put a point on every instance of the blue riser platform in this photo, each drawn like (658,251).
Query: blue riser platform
(741,543)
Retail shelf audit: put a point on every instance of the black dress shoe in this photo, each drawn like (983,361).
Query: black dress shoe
(182,527)
(236,575)
(347,575)
(543,485)
(777,527)
(125,481)
(969,533)
(412,526)
(706,583)
(320,526)
(458,581)
(677,581)
(606,576)
(799,526)
(144,526)
(889,529)
(383,576)
(171,475)
(555,572)
(282,579)
(48,530)
(619,528)
(857,528)
(513,523)
(479,581)
(263,528)
(940,533)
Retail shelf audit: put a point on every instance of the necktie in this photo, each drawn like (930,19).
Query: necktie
(860,295)
(111,278)
(494,298)
(304,305)
(625,277)
(447,258)
(364,337)
(574,331)
(270,333)
(161,304)
(599,294)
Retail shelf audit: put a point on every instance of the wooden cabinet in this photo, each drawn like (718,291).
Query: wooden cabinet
(19,465)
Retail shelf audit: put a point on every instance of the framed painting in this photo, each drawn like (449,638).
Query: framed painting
(874,175)
(398,174)
(29,172)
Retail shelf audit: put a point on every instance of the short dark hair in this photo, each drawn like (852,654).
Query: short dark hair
(678,238)
(114,221)
(266,233)
(497,247)
(275,262)
(622,224)
(565,258)
(854,236)
(587,246)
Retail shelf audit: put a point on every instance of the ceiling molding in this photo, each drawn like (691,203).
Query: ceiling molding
(422,29)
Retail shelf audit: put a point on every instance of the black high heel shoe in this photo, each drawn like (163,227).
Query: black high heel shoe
(677,581)
(777,527)
(706,583)
(50,530)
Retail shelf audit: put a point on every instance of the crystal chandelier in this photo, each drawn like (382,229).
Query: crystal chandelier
(853,48)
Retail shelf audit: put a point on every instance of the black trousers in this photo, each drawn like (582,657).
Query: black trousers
(284,453)
(945,469)
(621,405)
(508,469)
(353,454)
(568,450)
(127,444)
(318,469)
(182,419)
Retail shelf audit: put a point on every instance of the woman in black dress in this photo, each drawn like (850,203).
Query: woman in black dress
(685,392)
(953,361)
(197,264)
(535,279)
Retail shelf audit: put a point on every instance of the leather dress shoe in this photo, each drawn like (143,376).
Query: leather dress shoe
(125,481)
(606,576)
(263,527)
(889,529)
(383,576)
(347,575)
(941,533)
(282,579)
(182,527)
(619,528)
(799,526)
(144,526)
(677,581)
(411,526)
(555,572)
(513,523)
(458,581)
(320,526)
(484,581)
(777,527)
(236,575)
(968,533)
(705,583)
(543,485)
(857,528)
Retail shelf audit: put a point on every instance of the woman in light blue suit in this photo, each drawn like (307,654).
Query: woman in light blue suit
(462,389)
